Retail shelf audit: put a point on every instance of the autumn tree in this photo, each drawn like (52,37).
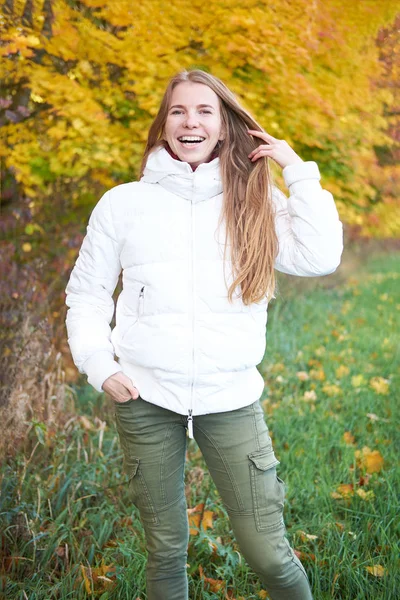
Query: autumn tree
(82,81)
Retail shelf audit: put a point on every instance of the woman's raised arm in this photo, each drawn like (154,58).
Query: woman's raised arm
(308,227)
(310,233)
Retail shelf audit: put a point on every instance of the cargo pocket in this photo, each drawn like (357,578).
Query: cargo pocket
(140,493)
(268,490)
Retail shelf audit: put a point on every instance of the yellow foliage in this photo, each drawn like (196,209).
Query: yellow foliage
(311,74)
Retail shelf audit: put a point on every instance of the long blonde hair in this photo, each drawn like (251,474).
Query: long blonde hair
(248,210)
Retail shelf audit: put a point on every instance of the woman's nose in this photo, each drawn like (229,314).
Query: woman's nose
(191,120)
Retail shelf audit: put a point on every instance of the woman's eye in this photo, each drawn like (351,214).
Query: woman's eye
(176,112)
(207,112)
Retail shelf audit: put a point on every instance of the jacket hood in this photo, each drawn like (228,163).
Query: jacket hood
(179,178)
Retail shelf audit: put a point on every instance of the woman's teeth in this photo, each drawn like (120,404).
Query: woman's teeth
(189,139)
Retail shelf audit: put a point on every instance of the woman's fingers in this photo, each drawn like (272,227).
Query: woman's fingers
(263,149)
(260,151)
(263,135)
(277,150)
(120,387)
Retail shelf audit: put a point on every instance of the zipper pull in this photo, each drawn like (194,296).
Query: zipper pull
(141,292)
(190,424)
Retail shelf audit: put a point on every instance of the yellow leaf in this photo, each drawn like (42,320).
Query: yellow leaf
(365,495)
(336,496)
(26,247)
(345,490)
(342,371)
(207,519)
(86,579)
(357,380)
(331,389)
(197,517)
(379,385)
(317,374)
(376,570)
(348,437)
(370,460)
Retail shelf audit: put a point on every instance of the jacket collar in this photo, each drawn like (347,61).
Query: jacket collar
(179,178)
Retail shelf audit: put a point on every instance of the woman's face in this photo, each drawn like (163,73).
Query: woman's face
(193,126)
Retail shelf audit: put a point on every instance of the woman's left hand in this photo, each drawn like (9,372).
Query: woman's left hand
(278,150)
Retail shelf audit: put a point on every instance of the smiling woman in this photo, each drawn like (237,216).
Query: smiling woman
(198,239)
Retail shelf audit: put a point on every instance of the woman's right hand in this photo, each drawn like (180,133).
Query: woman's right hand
(120,388)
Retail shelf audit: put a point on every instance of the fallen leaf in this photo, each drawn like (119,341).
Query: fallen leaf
(365,495)
(317,374)
(198,516)
(344,490)
(376,570)
(215,584)
(374,417)
(307,536)
(304,556)
(358,380)
(98,579)
(342,371)
(348,438)
(370,460)
(379,385)
(331,389)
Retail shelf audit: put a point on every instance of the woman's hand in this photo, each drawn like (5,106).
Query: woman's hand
(120,388)
(278,150)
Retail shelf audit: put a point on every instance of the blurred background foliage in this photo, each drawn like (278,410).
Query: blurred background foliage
(81,83)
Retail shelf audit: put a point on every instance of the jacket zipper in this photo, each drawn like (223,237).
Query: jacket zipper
(190,410)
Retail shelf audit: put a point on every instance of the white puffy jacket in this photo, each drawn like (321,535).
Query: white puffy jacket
(184,346)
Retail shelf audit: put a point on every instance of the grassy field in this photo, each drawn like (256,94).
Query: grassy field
(68,529)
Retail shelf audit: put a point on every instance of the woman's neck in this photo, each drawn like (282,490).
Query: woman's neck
(176,157)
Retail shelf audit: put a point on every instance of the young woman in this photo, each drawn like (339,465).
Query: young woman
(197,240)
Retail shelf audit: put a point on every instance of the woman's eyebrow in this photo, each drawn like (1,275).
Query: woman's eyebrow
(198,106)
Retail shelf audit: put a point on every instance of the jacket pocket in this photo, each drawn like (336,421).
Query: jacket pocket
(135,313)
(268,491)
(140,305)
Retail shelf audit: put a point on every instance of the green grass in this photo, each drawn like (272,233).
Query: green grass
(64,500)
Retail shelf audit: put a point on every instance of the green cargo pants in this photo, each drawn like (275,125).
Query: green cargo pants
(238,452)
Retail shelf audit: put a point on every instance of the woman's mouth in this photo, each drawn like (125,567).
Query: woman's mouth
(191,141)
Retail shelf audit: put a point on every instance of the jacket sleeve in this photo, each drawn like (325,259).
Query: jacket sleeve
(89,298)
(310,234)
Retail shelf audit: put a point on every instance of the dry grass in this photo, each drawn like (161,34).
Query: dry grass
(32,379)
